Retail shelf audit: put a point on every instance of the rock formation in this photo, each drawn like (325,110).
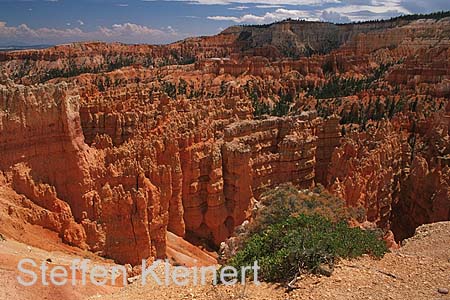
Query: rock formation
(123,146)
(124,191)
(399,177)
(365,171)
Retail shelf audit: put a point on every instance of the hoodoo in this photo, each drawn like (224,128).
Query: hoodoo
(124,153)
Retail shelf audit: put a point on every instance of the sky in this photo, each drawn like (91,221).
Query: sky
(37,22)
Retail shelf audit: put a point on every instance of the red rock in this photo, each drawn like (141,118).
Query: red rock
(115,162)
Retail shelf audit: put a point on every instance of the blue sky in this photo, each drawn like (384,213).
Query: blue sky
(30,22)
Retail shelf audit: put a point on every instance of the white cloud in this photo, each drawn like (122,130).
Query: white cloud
(126,33)
(171,30)
(269,17)
(354,10)
(374,9)
(334,17)
(242,7)
(269,6)
(379,9)
(258,2)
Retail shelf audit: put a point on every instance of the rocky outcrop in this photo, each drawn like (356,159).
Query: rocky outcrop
(423,184)
(124,191)
(125,146)
(299,38)
(38,123)
(252,45)
(204,205)
(111,211)
(222,179)
(421,70)
(425,192)
(47,210)
(279,150)
(399,177)
(365,171)
(329,137)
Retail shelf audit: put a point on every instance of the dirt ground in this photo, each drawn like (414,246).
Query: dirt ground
(11,252)
(416,271)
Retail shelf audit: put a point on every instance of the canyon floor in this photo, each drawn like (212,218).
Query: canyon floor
(416,271)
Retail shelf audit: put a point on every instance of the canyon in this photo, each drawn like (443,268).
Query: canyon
(129,151)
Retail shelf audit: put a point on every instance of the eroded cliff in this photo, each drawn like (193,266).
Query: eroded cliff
(124,144)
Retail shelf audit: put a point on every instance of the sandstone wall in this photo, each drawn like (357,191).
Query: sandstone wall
(365,171)
(399,178)
(329,136)
(123,144)
(147,166)
(41,126)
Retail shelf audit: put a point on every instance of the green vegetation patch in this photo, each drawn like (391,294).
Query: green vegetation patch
(300,232)
(302,244)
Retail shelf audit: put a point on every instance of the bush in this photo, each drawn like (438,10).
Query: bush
(299,231)
(286,200)
(302,244)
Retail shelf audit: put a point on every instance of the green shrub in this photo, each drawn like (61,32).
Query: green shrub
(302,244)
(299,230)
(286,200)
(170,89)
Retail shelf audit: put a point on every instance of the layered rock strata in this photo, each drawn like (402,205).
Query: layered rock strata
(125,144)
(142,173)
